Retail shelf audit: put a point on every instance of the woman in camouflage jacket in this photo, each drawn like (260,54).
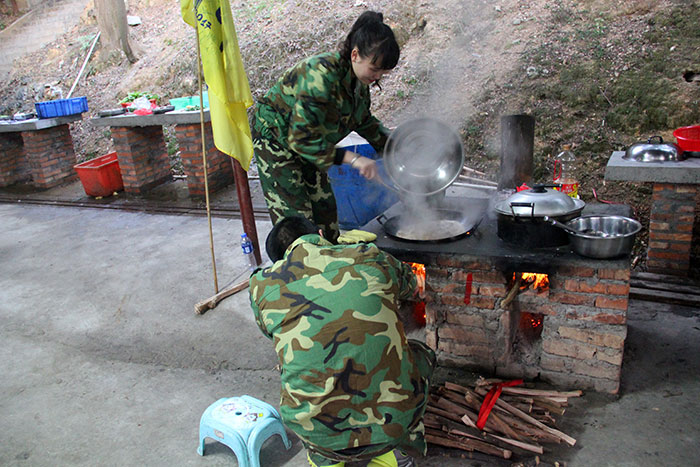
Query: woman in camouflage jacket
(314,105)
(353,386)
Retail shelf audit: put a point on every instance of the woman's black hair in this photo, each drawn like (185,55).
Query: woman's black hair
(373,39)
(285,232)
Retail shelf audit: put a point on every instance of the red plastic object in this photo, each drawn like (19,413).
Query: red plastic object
(688,138)
(100,176)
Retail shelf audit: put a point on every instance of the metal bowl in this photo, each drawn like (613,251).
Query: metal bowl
(423,156)
(607,237)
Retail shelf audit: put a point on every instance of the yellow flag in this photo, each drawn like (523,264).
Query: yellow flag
(229,91)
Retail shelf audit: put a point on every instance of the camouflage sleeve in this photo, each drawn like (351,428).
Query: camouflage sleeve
(255,291)
(374,132)
(406,277)
(312,113)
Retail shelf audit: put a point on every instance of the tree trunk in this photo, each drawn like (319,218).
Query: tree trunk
(111,19)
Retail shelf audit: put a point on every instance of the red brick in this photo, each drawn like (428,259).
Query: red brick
(431,339)
(588,336)
(660,226)
(492,277)
(618,289)
(430,315)
(572,299)
(667,255)
(659,245)
(463,334)
(492,290)
(474,351)
(597,287)
(604,318)
(464,319)
(610,303)
(686,189)
(476,266)
(611,356)
(596,370)
(483,302)
(454,300)
(580,271)
(670,236)
(614,274)
(568,349)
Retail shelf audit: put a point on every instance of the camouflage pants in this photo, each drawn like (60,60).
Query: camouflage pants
(414,440)
(295,187)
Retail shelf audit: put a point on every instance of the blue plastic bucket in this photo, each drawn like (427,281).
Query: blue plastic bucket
(359,200)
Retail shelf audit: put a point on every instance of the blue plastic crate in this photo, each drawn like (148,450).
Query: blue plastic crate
(61,107)
(359,200)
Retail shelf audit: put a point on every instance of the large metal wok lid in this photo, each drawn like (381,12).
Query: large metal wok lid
(539,201)
(423,156)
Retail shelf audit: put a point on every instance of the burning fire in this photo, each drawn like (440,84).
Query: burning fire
(538,282)
(419,307)
(419,271)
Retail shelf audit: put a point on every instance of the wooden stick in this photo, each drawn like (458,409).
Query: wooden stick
(474,179)
(541,392)
(211,302)
(526,446)
(470,170)
(519,413)
(466,444)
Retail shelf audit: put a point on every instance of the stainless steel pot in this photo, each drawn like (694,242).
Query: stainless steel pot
(521,216)
(651,151)
(610,237)
(423,156)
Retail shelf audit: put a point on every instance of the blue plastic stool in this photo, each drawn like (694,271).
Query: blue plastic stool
(243,424)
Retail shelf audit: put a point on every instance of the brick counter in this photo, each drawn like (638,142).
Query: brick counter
(38,152)
(143,158)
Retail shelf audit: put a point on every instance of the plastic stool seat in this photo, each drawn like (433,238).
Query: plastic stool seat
(243,424)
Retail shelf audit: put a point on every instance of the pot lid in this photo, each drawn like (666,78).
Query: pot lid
(539,201)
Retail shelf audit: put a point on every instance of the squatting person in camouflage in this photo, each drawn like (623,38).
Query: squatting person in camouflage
(353,386)
(314,105)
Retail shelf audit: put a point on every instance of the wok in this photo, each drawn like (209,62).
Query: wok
(442,226)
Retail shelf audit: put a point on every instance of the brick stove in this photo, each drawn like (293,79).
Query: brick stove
(571,334)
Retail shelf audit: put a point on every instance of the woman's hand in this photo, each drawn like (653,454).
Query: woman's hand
(366,166)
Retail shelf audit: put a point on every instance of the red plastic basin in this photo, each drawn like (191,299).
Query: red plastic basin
(688,138)
(100,176)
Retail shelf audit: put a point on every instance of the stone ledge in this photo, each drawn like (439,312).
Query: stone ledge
(685,172)
(176,117)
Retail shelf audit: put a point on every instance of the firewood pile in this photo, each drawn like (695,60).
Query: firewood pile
(521,419)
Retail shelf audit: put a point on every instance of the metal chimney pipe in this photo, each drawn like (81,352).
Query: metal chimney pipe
(517,146)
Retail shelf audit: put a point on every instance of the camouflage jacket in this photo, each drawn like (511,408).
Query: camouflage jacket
(314,105)
(348,376)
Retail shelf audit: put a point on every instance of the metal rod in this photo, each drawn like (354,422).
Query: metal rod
(472,185)
(474,179)
(80,73)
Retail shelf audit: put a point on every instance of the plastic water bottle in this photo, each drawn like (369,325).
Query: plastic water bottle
(564,172)
(247,247)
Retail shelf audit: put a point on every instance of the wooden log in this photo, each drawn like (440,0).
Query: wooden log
(466,444)
(541,392)
(494,422)
(563,436)
(443,413)
(526,446)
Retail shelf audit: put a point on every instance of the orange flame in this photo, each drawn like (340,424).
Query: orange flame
(534,281)
(419,271)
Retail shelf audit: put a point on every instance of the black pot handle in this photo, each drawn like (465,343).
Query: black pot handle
(661,140)
(381,219)
(522,205)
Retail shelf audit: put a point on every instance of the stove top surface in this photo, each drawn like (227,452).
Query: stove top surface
(483,241)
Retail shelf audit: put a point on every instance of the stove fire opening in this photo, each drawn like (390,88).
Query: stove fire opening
(419,315)
(532,280)
(530,326)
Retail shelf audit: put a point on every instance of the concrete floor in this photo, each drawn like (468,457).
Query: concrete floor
(104,361)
